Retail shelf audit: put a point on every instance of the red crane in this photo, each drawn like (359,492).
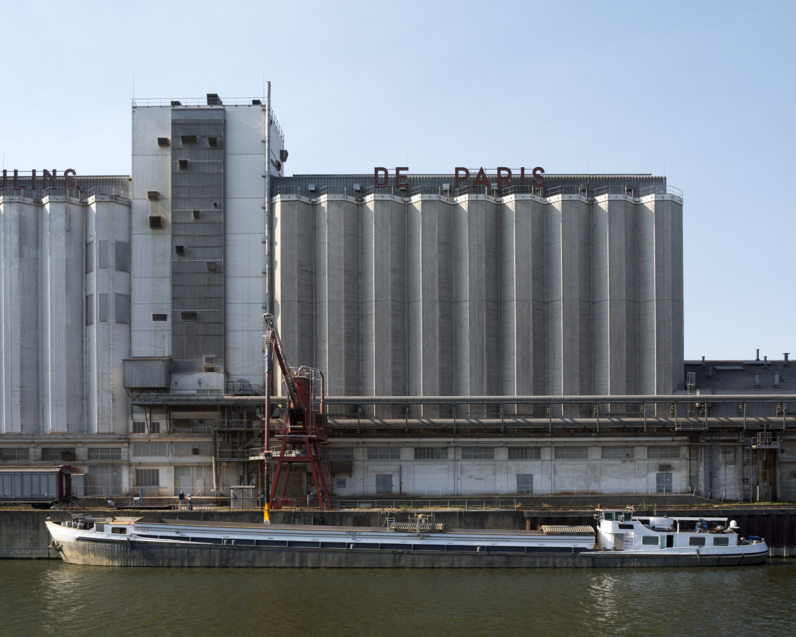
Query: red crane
(304,427)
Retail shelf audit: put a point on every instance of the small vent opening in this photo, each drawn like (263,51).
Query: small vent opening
(153,195)
(180,251)
(665,467)
(212,267)
(196,214)
(183,164)
(160,317)
(163,141)
(189,316)
(208,360)
(189,139)
(213,141)
(156,222)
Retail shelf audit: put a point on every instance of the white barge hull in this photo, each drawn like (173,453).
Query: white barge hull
(308,547)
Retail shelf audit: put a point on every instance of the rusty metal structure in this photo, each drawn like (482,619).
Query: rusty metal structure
(304,428)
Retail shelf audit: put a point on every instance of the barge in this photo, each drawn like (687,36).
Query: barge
(618,539)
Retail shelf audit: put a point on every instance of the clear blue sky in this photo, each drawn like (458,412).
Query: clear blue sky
(702,90)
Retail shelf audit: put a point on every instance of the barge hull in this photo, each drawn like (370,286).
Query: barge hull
(142,553)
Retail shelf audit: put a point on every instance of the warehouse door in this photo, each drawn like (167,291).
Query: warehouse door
(383,484)
(525,483)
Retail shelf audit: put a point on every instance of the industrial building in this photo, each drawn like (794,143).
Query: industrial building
(131,311)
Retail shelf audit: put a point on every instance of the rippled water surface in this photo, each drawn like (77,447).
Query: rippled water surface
(53,598)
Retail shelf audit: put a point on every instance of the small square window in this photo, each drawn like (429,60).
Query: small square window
(196,214)
(183,164)
(189,316)
(189,139)
(139,427)
(213,141)
(180,251)
(155,222)
(160,317)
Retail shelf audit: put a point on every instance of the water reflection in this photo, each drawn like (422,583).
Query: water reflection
(52,598)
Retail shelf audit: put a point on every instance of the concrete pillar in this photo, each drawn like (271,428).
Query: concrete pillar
(522,299)
(476,297)
(107,339)
(430,330)
(383,346)
(660,295)
(337,293)
(294,280)
(614,304)
(63,236)
(19,316)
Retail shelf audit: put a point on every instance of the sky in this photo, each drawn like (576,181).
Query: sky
(702,92)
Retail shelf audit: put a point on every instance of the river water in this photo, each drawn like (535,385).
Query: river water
(47,597)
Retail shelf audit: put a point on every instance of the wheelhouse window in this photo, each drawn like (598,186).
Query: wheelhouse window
(721,541)
(696,541)
(649,540)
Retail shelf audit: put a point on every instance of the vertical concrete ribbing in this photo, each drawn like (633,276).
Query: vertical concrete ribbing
(65,317)
(383,299)
(294,254)
(19,316)
(337,285)
(476,285)
(522,298)
(430,329)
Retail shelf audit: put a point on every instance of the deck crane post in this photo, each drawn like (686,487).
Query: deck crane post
(304,424)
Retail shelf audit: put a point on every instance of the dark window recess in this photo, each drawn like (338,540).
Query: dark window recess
(163,141)
(213,141)
(626,527)
(215,205)
(180,251)
(123,309)
(190,139)
(89,257)
(122,256)
(90,309)
(153,195)
(118,529)
(160,317)
(103,254)
(196,214)
(183,164)
(156,222)
(103,308)
(189,316)
(212,266)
